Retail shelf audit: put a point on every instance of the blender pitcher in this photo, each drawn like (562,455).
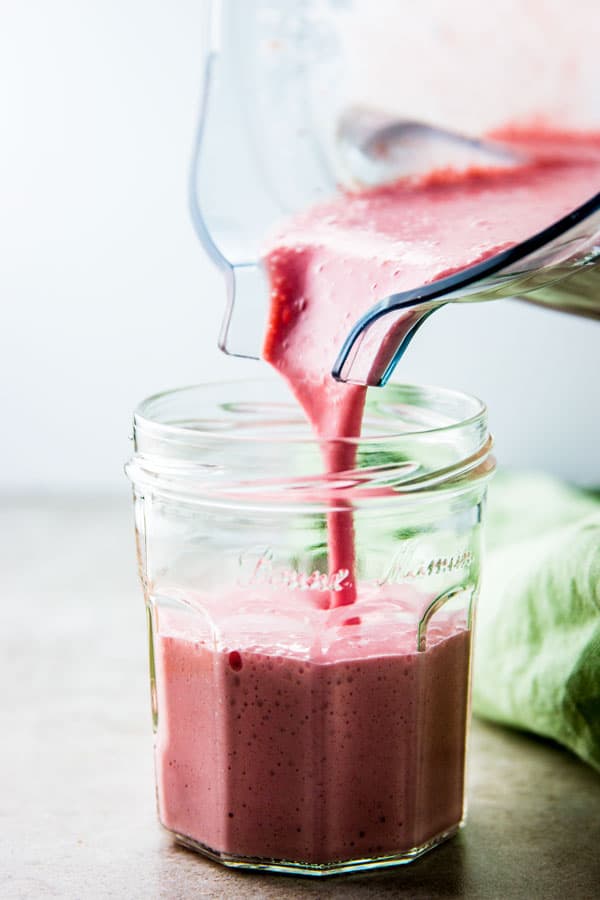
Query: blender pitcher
(303,98)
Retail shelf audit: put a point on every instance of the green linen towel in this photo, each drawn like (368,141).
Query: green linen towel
(537,647)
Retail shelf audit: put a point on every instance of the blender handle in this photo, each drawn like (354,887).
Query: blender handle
(216,125)
(245,149)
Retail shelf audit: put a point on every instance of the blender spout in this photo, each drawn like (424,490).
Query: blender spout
(378,341)
(558,268)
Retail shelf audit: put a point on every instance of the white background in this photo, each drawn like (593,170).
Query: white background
(107,297)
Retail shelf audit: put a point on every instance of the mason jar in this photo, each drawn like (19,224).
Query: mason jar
(310,631)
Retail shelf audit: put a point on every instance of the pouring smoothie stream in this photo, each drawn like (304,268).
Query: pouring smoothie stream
(329,265)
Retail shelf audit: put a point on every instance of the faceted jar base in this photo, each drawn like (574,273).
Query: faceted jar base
(337,867)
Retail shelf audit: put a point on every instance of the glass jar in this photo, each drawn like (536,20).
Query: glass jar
(295,731)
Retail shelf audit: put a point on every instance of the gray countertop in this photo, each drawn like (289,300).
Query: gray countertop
(77,799)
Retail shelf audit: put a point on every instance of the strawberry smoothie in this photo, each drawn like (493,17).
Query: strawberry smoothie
(292,729)
(269,746)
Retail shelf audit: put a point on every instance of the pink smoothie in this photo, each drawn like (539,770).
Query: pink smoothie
(285,733)
(296,737)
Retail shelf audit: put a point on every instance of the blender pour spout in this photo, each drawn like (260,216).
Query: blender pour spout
(558,268)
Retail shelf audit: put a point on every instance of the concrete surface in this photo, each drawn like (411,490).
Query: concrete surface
(76,794)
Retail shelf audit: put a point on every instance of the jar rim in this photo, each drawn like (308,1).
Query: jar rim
(259,448)
(176,430)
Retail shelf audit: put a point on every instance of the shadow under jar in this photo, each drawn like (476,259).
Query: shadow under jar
(295,731)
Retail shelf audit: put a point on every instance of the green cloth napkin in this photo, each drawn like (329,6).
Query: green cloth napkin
(537,647)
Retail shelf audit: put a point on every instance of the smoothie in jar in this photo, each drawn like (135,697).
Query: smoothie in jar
(278,746)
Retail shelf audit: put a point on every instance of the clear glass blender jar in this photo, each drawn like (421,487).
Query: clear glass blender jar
(292,731)
(302,97)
